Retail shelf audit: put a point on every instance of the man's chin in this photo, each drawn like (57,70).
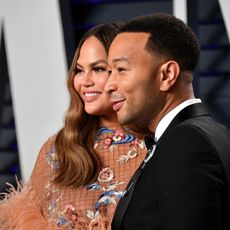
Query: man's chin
(123,119)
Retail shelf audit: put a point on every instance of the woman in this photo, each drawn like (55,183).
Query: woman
(80,173)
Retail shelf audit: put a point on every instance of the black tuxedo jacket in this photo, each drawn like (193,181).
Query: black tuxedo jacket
(186,184)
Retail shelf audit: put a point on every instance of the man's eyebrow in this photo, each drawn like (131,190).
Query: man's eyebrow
(120,59)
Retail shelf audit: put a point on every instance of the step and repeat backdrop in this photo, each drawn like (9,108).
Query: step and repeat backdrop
(37,43)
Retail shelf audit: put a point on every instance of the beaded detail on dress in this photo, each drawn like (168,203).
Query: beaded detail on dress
(116,148)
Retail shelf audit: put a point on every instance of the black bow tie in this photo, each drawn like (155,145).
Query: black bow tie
(150,141)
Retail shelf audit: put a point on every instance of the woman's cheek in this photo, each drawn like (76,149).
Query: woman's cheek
(76,84)
(103,80)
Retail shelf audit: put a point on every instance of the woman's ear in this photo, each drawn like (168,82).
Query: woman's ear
(169,73)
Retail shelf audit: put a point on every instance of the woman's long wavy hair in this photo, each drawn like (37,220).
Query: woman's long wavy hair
(79,164)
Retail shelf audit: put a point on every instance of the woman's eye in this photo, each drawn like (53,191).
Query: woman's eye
(99,69)
(77,71)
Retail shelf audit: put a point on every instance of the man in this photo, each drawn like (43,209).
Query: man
(184,183)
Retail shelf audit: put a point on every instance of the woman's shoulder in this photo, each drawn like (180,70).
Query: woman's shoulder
(47,153)
(49,143)
(45,163)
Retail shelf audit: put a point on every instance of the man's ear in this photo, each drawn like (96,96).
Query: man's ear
(169,73)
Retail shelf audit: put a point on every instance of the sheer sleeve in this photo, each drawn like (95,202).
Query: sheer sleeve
(22,208)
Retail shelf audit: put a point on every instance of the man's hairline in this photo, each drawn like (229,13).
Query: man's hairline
(147,41)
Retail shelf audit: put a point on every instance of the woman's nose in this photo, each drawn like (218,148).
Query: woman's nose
(87,80)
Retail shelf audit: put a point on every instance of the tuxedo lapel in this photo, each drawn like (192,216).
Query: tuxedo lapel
(187,113)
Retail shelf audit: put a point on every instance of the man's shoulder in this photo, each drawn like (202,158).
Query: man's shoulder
(208,126)
(216,134)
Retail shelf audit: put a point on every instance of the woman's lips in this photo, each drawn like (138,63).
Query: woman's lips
(91,96)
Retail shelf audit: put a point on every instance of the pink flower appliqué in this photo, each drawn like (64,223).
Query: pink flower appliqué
(106,175)
(71,213)
(138,143)
(108,141)
(118,135)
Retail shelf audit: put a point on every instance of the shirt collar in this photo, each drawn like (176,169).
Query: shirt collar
(166,120)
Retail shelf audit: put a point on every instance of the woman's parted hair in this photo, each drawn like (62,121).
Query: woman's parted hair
(78,163)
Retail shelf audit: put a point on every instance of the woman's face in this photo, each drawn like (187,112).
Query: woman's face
(91,76)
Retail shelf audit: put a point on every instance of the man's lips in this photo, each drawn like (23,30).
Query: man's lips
(118,104)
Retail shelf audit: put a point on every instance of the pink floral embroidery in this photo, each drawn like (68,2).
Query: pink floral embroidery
(135,142)
(114,138)
(106,175)
(118,135)
(138,143)
(71,213)
(108,141)
(98,222)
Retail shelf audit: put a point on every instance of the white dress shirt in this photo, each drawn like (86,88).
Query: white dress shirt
(166,120)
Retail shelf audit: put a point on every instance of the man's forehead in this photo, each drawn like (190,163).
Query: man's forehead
(140,37)
(128,43)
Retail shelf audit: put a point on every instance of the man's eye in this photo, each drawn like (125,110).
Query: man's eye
(121,69)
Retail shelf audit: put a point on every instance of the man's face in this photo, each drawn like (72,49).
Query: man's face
(134,81)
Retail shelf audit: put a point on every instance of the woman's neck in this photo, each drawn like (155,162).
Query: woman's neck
(109,122)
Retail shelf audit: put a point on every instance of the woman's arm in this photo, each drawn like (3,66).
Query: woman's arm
(22,208)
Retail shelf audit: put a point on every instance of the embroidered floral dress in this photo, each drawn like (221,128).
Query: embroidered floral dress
(43,205)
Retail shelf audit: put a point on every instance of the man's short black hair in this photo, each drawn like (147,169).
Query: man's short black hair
(169,37)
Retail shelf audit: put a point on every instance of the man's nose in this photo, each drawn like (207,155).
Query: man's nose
(110,85)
